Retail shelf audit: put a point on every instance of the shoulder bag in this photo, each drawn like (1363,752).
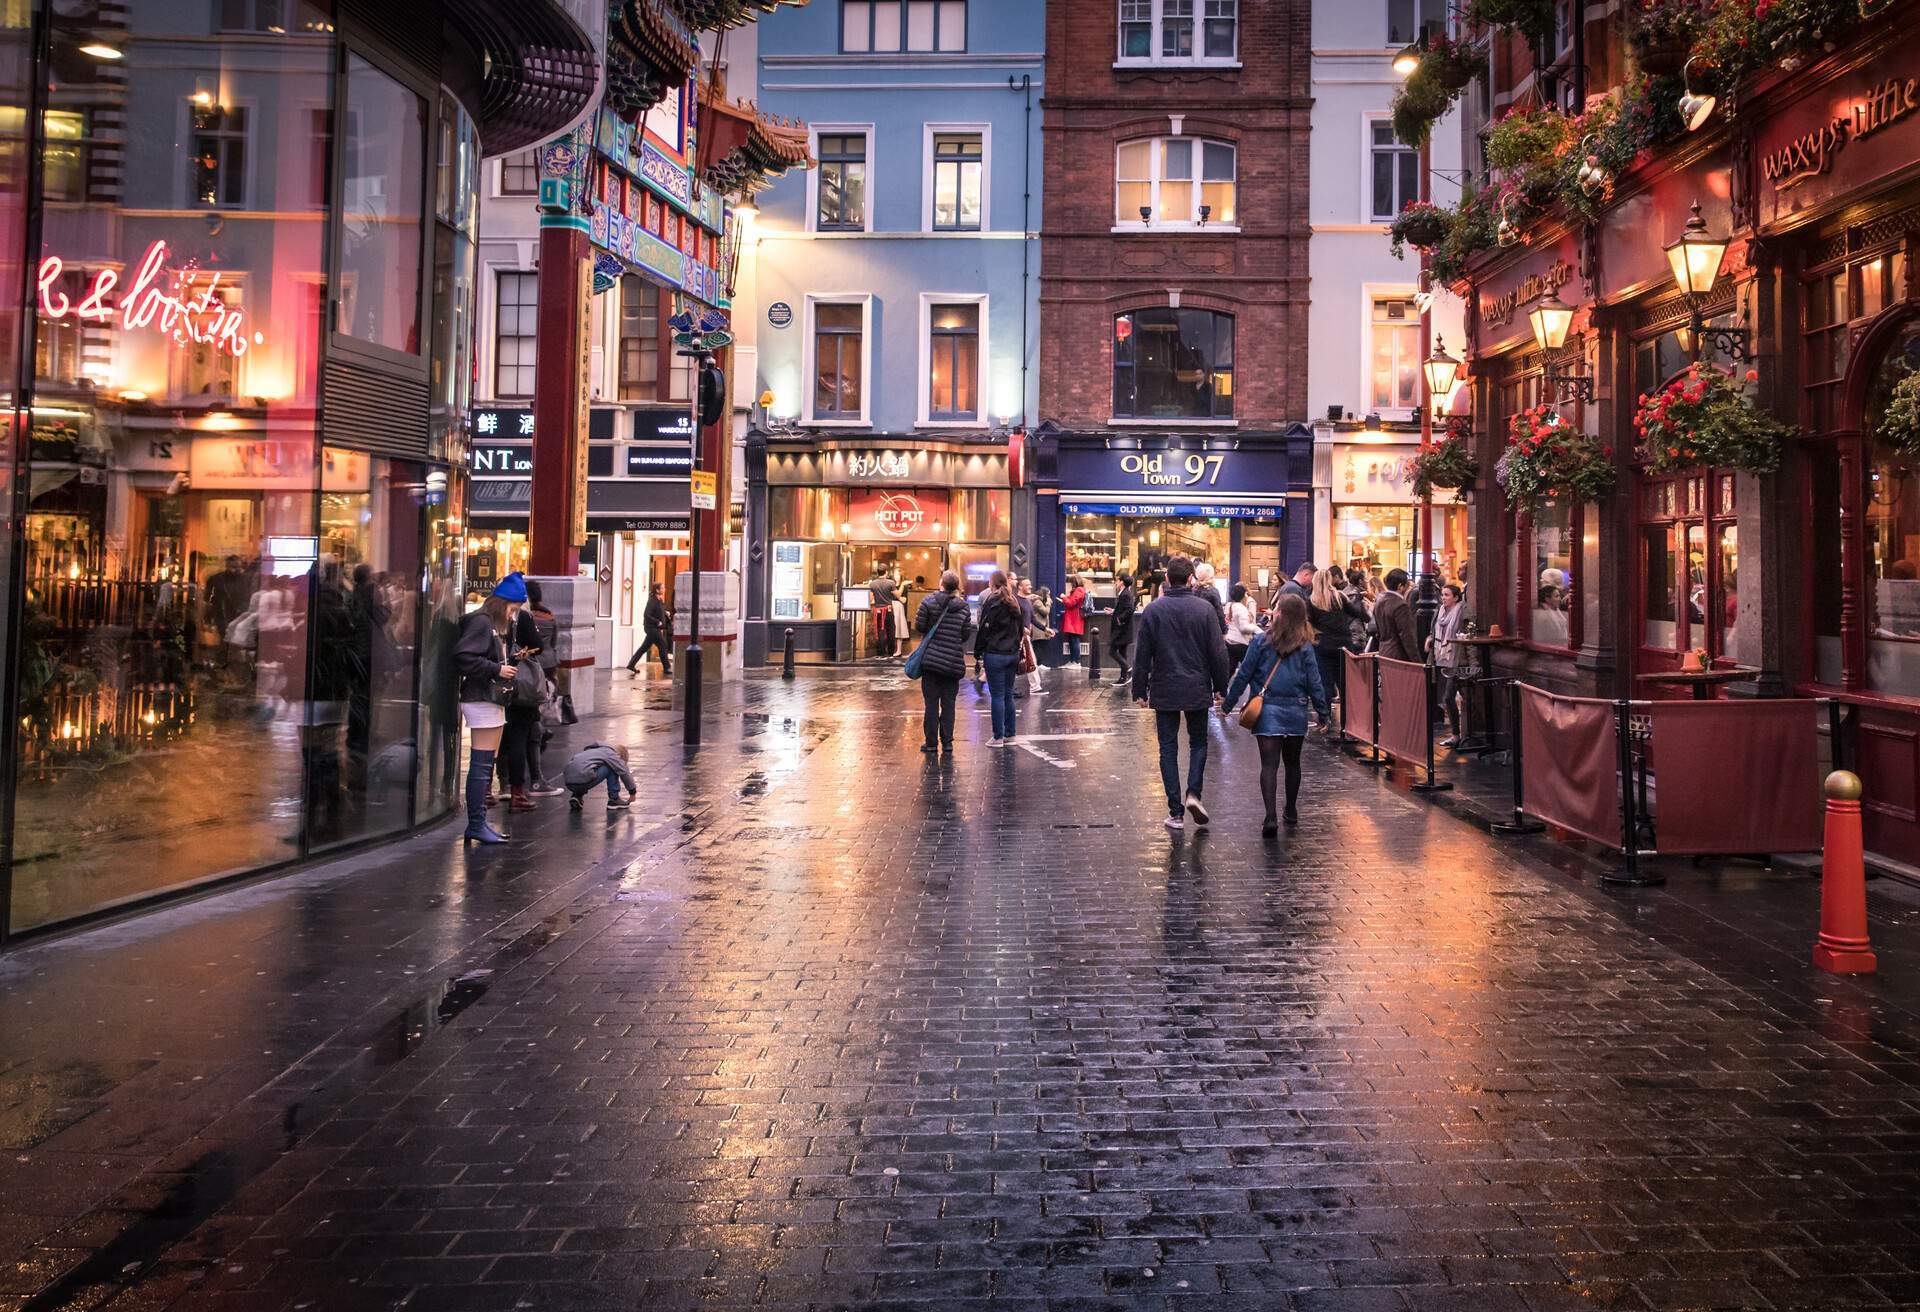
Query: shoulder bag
(1250,713)
(912,668)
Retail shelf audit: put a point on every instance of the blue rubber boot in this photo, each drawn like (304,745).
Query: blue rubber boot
(479,771)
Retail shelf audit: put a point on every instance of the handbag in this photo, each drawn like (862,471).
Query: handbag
(1250,713)
(914,660)
(1027,662)
(529,685)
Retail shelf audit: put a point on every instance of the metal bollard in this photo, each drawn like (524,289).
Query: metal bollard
(786,658)
(1093,655)
(1842,947)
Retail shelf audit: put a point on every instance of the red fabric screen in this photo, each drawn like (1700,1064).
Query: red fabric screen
(1569,751)
(1404,726)
(1356,690)
(1736,776)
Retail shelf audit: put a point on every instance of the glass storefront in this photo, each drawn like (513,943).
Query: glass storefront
(1382,537)
(232,628)
(1099,546)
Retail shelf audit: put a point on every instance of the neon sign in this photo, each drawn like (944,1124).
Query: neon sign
(168,306)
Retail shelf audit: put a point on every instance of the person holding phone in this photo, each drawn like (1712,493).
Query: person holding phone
(485,677)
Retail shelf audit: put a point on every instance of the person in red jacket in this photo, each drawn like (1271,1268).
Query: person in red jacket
(1073,616)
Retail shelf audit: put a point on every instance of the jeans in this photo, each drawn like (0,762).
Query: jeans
(1333,666)
(1166,725)
(1002,666)
(601,774)
(1274,752)
(1073,648)
(940,692)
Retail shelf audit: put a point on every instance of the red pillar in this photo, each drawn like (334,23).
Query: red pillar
(716,454)
(559,509)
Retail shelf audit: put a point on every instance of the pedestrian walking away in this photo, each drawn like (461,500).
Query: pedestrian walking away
(1282,672)
(881,592)
(1179,667)
(1241,625)
(486,680)
(1073,616)
(1126,602)
(1000,646)
(653,624)
(1203,584)
(945,624)
(595,764)
(1393,619)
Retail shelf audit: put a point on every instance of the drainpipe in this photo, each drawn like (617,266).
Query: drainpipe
(1025,87)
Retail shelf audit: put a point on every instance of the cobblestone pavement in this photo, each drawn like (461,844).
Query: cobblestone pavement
(827,1024)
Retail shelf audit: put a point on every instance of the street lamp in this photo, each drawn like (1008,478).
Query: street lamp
(1550,320)
(1695,257)
(1440,369)
(1407,60)
(1694,108)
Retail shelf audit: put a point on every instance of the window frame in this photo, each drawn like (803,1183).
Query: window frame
(840,30)
(662,307)
(815,131)
(1369,125)
(1371,295)
(1156,28)
(929,133)
(1213,421)
(809,363)
(500,274)
(925,418)
(1396,42)
(1156,170)
(247,168)
(500,187)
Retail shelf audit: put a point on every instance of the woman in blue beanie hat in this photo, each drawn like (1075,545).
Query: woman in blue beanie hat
(486,681)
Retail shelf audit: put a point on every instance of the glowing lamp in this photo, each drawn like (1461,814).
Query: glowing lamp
(747,213)
(1550,320)
(1407,60)
(1694,107)
(1440,369)
(101,50)
(1695,255)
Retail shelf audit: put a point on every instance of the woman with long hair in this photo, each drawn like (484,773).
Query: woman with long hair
(486,680)
(1002,631)
(945,625)
(1280,668)
(1336,617)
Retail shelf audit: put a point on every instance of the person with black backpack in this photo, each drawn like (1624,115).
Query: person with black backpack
(946,623)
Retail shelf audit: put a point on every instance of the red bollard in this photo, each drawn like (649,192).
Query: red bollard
(1842,947)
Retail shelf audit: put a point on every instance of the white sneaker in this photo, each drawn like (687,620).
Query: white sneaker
(1175,823)
(1001,742)
(1197,811)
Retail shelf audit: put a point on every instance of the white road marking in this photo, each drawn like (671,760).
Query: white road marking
(1026,743)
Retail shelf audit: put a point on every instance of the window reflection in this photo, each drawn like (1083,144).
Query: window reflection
(382,204)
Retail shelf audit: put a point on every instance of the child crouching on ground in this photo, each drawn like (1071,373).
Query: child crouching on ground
(592,764)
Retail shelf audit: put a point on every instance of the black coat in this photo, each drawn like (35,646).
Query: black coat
(1125,602)
(477,657)
(1180,660)
(1211,595)
(654,618)
(1333,630)
(946,650)
(1001,626)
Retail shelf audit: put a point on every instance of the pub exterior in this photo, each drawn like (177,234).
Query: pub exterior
(1804,579)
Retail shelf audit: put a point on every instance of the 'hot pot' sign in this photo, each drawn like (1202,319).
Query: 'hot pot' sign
(897,515)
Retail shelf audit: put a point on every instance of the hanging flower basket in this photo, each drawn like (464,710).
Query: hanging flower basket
(1703,417)
(1899,425)
(1547,459)
(1453,64)
(1448,463)
(1420,225)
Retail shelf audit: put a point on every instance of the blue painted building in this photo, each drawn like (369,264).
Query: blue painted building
(897,294)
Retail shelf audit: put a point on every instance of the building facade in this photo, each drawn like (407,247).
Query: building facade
(1370,323)
(1174,290)
(898,286)
(236,565)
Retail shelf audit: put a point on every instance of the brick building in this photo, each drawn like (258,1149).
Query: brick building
(1173,288)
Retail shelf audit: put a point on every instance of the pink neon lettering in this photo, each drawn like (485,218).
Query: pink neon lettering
(181,315)
(50,269)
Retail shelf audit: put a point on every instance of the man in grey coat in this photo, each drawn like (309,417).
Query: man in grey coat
(1179,666)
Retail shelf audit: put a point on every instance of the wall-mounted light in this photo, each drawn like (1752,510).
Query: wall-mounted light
(1146,214)
(101,50)
(1206,212)
(1407,60)
(1695,257)
(1694,108)
(1551,319)
(747,212)
(1440,369)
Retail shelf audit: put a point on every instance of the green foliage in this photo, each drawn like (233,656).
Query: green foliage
(1702,417)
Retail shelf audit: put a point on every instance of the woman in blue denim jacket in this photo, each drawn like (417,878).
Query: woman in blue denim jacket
(1285,694)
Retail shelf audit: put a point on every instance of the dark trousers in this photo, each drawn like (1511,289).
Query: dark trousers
(1274,752)
(1166,724)
(658,643)
(940,692)
(1073,647)
(1451,695)
(520,746)
(1120,647)
(1333,666)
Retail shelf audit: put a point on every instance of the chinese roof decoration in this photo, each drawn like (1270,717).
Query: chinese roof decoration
(747,150)
(650,50)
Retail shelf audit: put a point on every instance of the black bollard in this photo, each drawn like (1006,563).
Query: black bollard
(1093,655)
(786,659)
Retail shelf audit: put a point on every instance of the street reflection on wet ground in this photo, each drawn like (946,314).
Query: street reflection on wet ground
(825,1023)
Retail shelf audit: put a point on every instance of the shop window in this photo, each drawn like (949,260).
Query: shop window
(516,321)
(1892,539)
(1179,31)
(982,515)
(520,175)
(1393,375)
(841,182)
(953,362)
(64,177)
(876,26)
(383,206)
(202,369)
(1173,364)
(1394,172)
(839,360)
(1832,300)
(1155,183)
(639,339)
(216,152)
(1407,19)
(1553,547)
(959,171)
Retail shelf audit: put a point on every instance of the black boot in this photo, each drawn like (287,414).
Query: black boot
(479,772)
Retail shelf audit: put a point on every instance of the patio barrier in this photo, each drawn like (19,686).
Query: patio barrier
(1387,705)
(1359,711)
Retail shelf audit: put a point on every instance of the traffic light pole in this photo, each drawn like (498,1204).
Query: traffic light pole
(691,663)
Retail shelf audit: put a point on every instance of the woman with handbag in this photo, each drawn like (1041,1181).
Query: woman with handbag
(486,682)
(940,661)
(1034,606)
(1001,645)
(1283,676)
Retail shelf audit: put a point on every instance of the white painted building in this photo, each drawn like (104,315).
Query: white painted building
(1364,321)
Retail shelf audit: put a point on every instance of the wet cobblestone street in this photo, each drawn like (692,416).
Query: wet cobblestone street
(824,1023)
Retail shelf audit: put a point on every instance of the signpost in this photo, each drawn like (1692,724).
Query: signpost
(697,340)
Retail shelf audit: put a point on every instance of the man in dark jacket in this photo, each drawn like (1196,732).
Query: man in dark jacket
(946,626)
(1393,620)
(1180,664)
(653,623)
(1120,639)
(1301,584)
